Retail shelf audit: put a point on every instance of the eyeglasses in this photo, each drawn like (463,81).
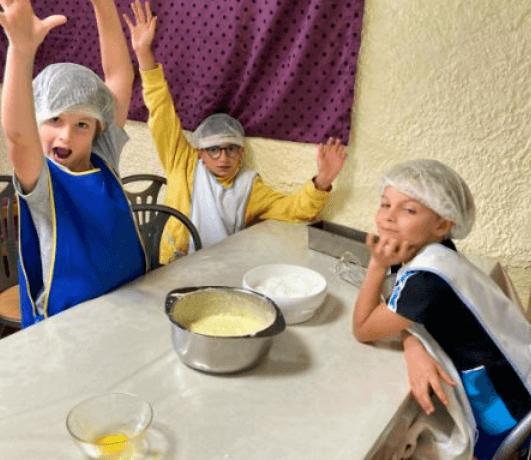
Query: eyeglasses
(215,151)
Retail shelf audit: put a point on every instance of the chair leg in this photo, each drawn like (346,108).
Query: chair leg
(6,330)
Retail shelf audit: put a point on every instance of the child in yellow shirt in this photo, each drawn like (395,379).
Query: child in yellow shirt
(206,181)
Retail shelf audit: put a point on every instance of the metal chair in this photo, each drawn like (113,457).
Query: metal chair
(143,188)
(9,300)
(151,220)
(514,439)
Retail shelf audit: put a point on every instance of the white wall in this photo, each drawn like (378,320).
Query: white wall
(444,79)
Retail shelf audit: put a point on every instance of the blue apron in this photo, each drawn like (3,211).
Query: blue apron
(97,247)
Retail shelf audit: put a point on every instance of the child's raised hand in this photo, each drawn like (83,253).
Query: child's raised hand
(386,251)
(25,30)
(143,30)
(330,160)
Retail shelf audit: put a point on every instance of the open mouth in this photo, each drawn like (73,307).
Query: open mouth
(61,153)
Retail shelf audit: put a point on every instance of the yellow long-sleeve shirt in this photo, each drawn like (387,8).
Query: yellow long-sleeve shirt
(179,158)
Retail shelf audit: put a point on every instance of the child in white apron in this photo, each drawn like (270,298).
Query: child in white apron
(462,317)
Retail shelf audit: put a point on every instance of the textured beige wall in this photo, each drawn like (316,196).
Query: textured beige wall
(444,79)
(450,80)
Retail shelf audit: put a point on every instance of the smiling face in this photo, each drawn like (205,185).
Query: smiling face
(67,139)
(225,162)
(404,219)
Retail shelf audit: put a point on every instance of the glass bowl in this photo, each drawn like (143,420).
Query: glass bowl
(111,426)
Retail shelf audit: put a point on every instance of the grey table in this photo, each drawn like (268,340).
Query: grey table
(319,394)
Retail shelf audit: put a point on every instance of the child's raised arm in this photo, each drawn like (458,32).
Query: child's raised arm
(142,34)
(330,160)
(25,33)
(115,60)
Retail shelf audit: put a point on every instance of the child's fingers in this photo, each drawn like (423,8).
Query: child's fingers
(53,21)
(445,376)
(138,11)
(371,240)
(128,21)
(424,401)
(149,13)
(342,151)
(421,392)
(334,145)
(405,251)
(439,391)
(389,245)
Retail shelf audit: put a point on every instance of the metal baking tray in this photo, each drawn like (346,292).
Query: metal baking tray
(335,240)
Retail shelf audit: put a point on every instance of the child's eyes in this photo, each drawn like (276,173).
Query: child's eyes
(410,210)
(384,205)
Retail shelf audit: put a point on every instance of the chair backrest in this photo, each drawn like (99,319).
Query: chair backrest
(8,233)
(151,220)
(143,188)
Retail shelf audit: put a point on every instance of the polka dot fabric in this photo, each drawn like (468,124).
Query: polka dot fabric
(284,68)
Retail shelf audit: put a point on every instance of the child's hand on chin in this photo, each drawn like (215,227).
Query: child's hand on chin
(387,251)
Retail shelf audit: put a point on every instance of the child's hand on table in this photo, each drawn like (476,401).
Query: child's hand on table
(425,374)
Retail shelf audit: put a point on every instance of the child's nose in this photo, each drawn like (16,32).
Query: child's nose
(390,215)
(66,133)
(223,153)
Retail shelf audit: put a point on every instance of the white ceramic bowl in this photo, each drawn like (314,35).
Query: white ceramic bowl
(297,291)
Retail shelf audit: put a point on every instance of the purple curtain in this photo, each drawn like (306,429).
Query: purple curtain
(284,68)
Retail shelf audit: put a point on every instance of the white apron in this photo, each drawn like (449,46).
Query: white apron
(215,210)
(502,320)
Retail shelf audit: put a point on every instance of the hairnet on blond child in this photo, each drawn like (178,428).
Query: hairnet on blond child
(218,129)
(67,87)
(438,187)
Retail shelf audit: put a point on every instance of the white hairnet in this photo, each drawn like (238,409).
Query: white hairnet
(219,129)
(67,87)
(438,187)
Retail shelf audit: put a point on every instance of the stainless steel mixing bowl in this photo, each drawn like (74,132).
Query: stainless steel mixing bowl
(215,353)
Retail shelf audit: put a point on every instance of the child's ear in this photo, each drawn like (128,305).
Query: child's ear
(444,227)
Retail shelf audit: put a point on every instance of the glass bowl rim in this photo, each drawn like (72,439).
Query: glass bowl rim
(147,424)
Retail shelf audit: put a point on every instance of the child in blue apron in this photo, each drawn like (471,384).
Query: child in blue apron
(64,135)
(481,338)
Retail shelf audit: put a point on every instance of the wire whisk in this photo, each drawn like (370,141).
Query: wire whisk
(350,270)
